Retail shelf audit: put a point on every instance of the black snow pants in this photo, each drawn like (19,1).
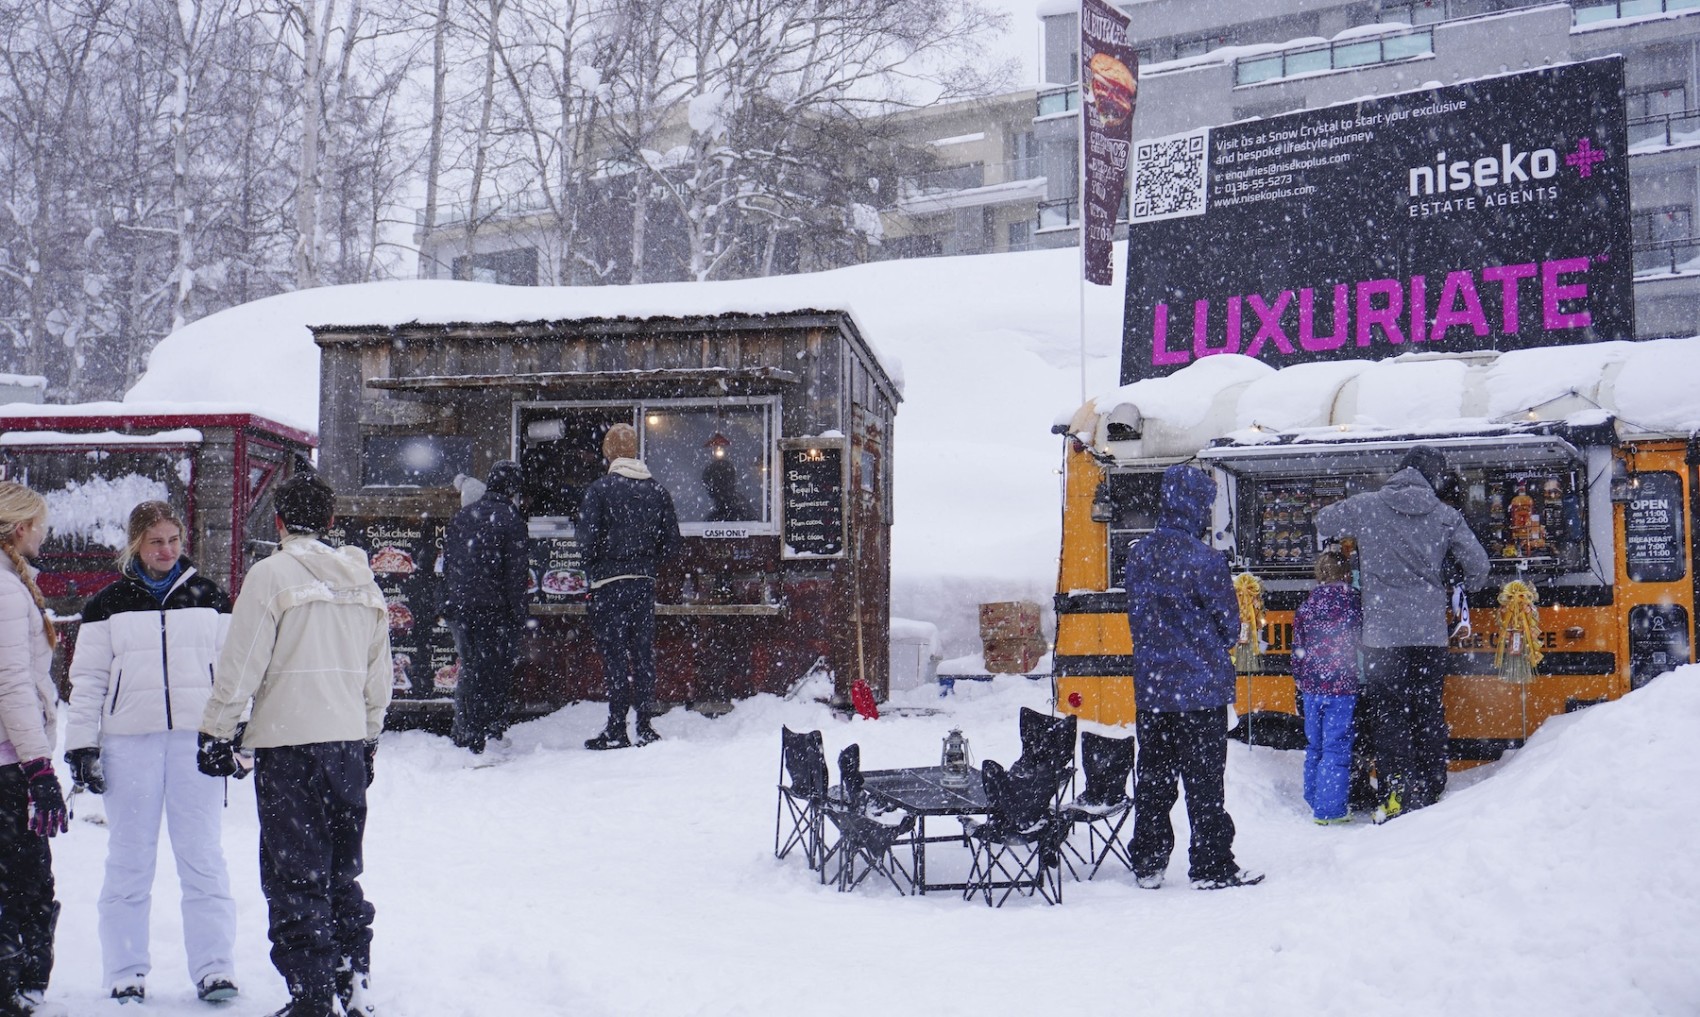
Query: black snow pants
(312,803)
(489,652)
(1189,748)
(622,616)
(28,912)
(1402,697)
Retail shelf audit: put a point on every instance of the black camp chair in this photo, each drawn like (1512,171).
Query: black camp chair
(1018,847)
(1047,743)
(803,800)
(866,832)
(1104,806)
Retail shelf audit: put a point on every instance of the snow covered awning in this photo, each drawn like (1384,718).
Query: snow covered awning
(176,436)
(1383,454)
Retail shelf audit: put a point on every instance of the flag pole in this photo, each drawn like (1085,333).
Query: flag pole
(1080,211)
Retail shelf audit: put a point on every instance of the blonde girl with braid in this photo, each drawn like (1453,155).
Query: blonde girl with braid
(32,806)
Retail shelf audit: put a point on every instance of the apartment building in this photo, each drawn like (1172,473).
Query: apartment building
(1213,63)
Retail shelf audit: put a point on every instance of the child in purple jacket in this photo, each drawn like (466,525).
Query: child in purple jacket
(1326,631)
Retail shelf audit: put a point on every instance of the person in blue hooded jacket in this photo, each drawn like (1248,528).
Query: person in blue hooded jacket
(1184,619)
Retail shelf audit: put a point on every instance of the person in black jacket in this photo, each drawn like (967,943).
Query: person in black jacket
(486,566)
(626,528)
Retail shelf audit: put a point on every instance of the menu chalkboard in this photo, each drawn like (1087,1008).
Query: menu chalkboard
(557,571)
(812,500)
(406,559)
(1652,530)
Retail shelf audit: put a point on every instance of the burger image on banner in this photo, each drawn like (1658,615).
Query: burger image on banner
(1112,89)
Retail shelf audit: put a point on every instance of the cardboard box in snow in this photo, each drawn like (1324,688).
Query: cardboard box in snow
(1014,656)
(1009,620)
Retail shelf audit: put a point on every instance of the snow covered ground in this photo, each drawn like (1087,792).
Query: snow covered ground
(560,881)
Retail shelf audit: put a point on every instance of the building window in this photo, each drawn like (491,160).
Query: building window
(517,267)
(1197,47)
(414,460)
(1021,235)
(1420,12)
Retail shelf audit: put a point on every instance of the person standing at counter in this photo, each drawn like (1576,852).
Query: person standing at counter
(486,565)
(1184,618)
(139,682)
(1405,534)
(626,528)
(309,648)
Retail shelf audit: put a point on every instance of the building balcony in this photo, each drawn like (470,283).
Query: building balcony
(1587,12)
(1664,130)
(1346,54)
(971,184)
(1680,256)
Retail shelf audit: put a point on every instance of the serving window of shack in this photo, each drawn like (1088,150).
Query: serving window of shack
(1530,517)
(714,457)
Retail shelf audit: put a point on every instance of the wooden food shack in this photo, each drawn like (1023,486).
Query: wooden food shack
(772,432)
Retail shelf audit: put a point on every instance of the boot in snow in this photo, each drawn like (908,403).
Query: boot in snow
(614,735)
(646,735)
(354,990)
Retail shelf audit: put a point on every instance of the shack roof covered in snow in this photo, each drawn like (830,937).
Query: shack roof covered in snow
(1647,387)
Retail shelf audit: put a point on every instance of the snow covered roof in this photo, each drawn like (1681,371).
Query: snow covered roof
(1647,386)
(176,436)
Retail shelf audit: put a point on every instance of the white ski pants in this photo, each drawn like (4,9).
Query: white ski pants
(147,775)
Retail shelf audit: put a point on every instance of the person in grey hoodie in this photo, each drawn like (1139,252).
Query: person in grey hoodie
(1405,536)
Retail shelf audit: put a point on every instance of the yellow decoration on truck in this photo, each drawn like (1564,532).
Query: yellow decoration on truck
(1248,590)
(1519,651)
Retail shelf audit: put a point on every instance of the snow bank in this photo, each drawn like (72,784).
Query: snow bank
(564,882)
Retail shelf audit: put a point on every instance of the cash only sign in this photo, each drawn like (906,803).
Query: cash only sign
(1488,215)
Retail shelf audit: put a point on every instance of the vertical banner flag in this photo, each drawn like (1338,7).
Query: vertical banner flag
(1109,84)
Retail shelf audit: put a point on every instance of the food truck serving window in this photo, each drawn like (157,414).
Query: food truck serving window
(714,457)
(1533,519)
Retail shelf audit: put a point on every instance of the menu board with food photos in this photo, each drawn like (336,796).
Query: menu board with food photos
(1286,513)
(406,559)
(557,572)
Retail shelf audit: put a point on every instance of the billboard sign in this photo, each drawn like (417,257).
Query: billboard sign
(1491,214)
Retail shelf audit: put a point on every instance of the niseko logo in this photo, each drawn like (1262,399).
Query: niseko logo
(1507,167)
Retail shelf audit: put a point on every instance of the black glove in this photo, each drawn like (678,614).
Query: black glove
(371,753)
(50,816)
(86,769)
(215,757)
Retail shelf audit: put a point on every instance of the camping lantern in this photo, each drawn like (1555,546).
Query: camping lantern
(955,760)
(1103,503)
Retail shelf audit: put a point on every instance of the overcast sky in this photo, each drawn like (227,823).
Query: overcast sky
(1022,41)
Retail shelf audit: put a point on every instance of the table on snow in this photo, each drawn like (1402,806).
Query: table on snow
(921,791)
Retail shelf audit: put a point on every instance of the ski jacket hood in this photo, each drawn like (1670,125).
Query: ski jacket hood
(1408,493)
(1184,502)
(633,468)
(505,480)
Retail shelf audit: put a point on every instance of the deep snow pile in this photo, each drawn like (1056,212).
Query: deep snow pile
(561,881)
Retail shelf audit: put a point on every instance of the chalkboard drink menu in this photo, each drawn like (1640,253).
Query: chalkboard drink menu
(1652,530)
(812,495)
(406,559)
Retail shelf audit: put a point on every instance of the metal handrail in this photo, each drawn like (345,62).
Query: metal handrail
(1669,251)
(1663,122)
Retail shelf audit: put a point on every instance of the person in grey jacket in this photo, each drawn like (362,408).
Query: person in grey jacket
(1405,537)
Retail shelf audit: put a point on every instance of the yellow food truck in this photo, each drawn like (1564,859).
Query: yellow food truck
(1573,501)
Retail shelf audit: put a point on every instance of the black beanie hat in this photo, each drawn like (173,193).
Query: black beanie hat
(305,503)
(505,479)
(1428,461)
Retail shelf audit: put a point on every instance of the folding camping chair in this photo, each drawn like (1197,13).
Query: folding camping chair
(803,800)
(866,832)
(1048,743)
(1018,847)
(1104,806)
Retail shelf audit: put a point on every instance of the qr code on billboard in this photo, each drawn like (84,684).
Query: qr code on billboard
(1168,177)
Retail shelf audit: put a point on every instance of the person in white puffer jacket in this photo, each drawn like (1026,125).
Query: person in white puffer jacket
(140,679)
(32,805)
